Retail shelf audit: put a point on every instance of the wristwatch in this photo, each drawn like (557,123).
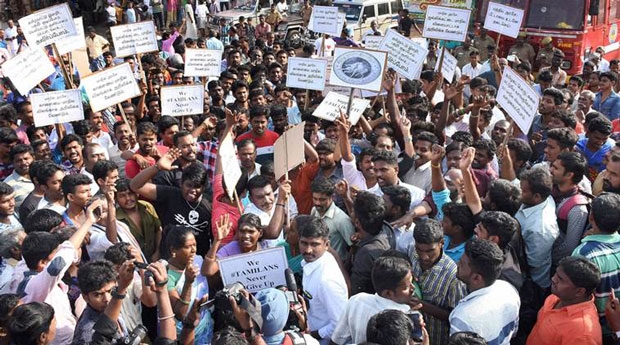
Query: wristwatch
(115,294)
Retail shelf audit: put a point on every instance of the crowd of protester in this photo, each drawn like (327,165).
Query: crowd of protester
(434,219)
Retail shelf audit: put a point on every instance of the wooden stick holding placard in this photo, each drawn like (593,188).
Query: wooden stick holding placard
(350,102)
(322,51)
(237,201)
(63,68)
(307,99)
(123,116)
(288,211)
(141,70)
(497,42)
(443,53)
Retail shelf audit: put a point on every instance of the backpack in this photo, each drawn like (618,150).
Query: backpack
(581,198)
(293,338)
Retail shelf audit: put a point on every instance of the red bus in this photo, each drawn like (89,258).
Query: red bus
(577,27)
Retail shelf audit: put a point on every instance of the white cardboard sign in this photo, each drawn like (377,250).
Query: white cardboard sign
(27,69)
(182,100)
(305,73)
(325,20)
(202,63)
(48,25)
(256,270)
(230,165)
(111,86)
(503,19)
(330,108)
(72,43)
(446,23)
(405,56)
(358,68)
(288,150)
(373,42)
(57,107)
(449,65)
(137,38)
(518,98)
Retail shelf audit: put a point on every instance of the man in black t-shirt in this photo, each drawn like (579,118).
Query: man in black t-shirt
(404,23)
(183,206)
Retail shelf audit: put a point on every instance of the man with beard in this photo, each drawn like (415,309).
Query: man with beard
(125,141)
(611,177)
(240,90)
(72,146)
(601,247)
(8,221)
(566,172)
(386,169)
(322,278)
(143,158)
(216,91)
(186,144)
(263,137)
(22,156)
(185,204)
(479,269)
(339,224)
(271,209)
(92,154)
(154,109)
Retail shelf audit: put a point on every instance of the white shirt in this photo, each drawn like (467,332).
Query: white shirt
(351,328)
(492,312)
(324,281)
(330,45)
(539,229)
(420,176)
(99,242)
(105,141)
(47,286)
(202,11)
(282,7)
(13,45)
(43,203)
(355,178)
(472,72)
(417,194)
(265,219)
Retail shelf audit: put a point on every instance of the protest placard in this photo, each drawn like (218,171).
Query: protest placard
(57,107)
(373,42)
(111,86)
(405,57)
(358,68)
(289,150)
(449,65)
(71,43)
(446,23)
(27,69)
(325,20)
(256,270)
(305,73)
(503,19)
(202,63)
(48,25)
(518,98)
(182,100)
(230,165)
(330,108)
(137,38)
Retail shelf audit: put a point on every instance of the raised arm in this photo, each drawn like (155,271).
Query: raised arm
(471,193)
(210,266)
(272,231)
(437,181)
(343,137)
(141,183)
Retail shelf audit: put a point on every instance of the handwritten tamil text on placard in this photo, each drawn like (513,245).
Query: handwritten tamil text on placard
(182,100)
(446,23)
(133,39)
(503,19)
(111,86)
(202,63)
(404,56)
(56,107)
(519,99)
(306,73)
(27,69)
(48,25)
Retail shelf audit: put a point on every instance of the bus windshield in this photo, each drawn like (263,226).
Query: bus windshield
(556,14)
(352,12)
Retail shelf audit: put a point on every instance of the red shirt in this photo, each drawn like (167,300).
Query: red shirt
(220,208)
(264,144)
(132,168)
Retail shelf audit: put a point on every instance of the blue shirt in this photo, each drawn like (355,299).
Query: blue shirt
(453,253)
(610,106)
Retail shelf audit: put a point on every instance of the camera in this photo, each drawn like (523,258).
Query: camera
(290,290)
(134,338)
(233,290)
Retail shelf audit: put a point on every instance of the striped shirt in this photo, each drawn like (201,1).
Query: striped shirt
(604,251)
(440,287)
